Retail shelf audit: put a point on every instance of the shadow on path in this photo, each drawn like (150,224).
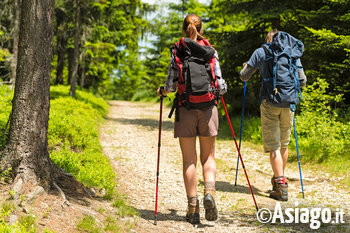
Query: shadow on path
(228,187)
(172,216)
(150,124)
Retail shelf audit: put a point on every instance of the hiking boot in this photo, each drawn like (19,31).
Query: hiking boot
(273,182)
(211,213)
(281,193)
(192,215)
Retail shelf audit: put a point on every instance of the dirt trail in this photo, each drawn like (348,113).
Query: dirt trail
(129,138)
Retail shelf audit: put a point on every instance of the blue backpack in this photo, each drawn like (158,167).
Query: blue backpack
(283,85)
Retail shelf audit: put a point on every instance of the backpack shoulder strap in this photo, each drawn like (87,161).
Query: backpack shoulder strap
(268,53)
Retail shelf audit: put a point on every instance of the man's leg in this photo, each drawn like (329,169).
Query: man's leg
(270,127)
(286,125)
(284,154)
(279,185)
(277,163)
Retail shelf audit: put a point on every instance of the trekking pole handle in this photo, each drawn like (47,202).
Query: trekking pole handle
(161,89)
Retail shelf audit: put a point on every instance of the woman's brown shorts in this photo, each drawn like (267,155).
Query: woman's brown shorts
(197,122)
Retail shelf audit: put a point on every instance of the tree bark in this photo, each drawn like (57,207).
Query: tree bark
(61,47)
(26,151)
(70,54)
(73,81)
(61,43)
(82,79)
(16,21)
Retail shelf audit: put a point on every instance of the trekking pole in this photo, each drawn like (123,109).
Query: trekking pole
(296,143)
(239,153)
(240,132)
(159,137)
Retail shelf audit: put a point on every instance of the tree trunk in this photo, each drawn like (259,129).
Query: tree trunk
(82,80)
(26,151)
(73,81)
(70,53)
(16,19)
(61,44)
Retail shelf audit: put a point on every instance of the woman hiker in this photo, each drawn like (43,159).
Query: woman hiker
(195,73)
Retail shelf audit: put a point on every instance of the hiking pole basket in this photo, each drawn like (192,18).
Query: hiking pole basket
(240,132)
(239,153)
(158,158)
(296,143)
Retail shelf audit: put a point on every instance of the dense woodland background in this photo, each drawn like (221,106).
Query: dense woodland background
(98,42)
(96,47)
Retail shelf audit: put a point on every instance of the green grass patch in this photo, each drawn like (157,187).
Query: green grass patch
(72,135)
(6,175)
(88,224)
(74,139)
(7,207)
(73,144)
(122,208)
(6,95)
(251,129)
(111,225)
(25,224)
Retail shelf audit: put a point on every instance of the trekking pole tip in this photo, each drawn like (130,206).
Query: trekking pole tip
(155,220)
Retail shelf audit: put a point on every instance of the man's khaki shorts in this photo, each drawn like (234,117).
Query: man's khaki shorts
(276,126)
(197,122)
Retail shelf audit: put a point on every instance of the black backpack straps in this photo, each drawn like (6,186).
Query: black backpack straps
(208,68)
(175,105)
(188,87)
(197,50)
(268,55)
(266,51)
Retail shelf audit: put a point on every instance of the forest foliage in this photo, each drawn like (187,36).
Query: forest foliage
(112,62)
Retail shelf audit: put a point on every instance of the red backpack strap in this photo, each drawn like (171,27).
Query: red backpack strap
(205,42)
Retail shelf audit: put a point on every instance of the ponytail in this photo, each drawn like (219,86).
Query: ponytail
(192,27)
(191,31)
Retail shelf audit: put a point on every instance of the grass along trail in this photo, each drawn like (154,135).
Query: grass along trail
(129,138)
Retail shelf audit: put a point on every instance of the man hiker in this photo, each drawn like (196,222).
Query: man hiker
(278,61)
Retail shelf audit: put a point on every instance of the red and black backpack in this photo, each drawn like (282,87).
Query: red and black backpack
(197,83)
